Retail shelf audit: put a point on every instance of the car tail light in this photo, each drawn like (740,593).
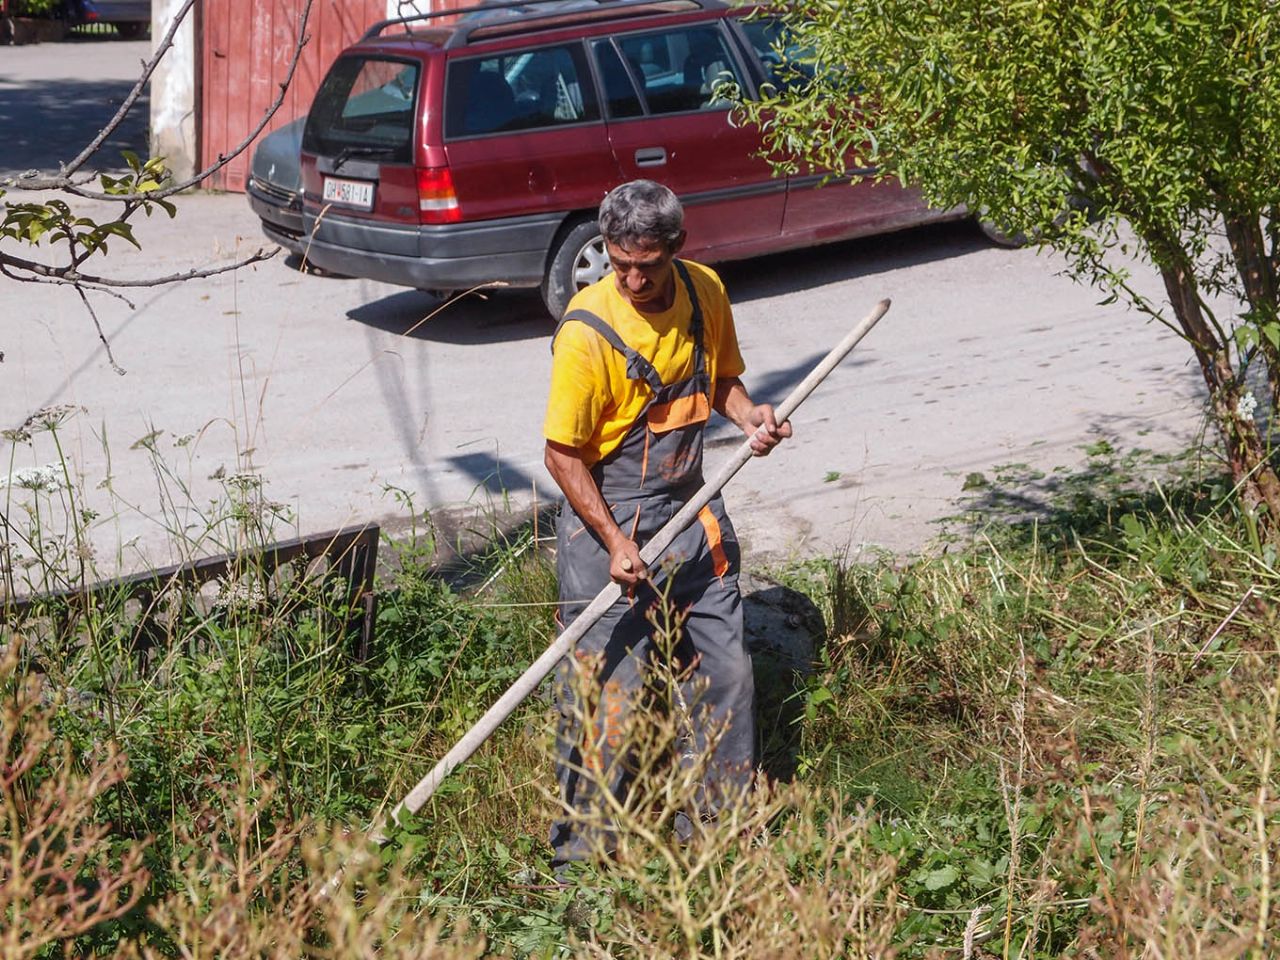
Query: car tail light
(437,202)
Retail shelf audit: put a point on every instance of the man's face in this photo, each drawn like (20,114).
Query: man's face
(644,273)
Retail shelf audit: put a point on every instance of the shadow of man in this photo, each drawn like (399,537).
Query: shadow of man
(784,630)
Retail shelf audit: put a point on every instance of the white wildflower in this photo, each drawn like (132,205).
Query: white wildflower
(53,416)
(47,479)
(1246,405)
(243,593)
(243,481)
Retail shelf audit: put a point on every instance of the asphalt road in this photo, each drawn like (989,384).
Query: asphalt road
(341,400)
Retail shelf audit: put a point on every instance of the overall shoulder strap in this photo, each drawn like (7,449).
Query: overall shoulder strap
(695,321)
(638,368)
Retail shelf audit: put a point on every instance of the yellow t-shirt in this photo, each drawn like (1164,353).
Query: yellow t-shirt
(593,403)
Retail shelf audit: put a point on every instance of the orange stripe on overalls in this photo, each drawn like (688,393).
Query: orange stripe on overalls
(712,527)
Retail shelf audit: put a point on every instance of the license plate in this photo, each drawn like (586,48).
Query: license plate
(349,193)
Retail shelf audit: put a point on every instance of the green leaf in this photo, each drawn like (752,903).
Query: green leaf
(820,695)
(941,878)
(120,228)
(1133,528)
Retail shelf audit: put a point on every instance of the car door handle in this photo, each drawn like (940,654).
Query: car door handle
(651,156)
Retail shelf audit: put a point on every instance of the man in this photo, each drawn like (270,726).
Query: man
(640,360)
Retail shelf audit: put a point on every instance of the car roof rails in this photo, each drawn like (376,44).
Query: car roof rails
(573,12)
(514,8)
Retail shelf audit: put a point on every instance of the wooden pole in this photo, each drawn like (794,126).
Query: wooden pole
(533,676)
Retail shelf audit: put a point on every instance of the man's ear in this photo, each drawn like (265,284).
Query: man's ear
(679,243)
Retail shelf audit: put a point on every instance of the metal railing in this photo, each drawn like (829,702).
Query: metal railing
(350,553)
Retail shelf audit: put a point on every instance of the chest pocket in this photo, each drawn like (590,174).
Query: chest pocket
(681,411)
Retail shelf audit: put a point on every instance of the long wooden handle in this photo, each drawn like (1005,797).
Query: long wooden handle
(657,545)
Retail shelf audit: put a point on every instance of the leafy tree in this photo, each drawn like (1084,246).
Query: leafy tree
(1106,129)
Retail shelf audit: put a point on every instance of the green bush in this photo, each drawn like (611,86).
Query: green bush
(36,8)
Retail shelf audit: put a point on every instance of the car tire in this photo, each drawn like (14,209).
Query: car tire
(1021,238)
(578,260)
(1000,238)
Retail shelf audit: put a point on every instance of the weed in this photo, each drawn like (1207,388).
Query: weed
(1053,738)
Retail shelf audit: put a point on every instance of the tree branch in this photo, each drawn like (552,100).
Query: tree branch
(4,271)
(69,274)
(101,336)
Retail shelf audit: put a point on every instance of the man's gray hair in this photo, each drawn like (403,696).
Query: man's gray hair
(641,211)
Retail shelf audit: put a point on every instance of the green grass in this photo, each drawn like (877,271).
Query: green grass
(1002,741)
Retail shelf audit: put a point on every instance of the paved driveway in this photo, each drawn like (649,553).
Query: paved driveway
(315,385)
(54,97)
(343,404)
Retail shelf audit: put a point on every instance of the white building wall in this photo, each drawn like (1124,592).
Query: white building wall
(174,91)
(407,8)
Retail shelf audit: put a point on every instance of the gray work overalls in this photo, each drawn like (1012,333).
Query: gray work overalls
(656,468)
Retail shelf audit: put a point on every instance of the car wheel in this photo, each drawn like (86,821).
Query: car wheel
(1001,239)
(1021,238)
(133,30)
(579,260)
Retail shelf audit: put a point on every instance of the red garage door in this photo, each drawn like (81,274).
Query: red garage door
(245,57)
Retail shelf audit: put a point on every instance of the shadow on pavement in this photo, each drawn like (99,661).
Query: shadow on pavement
(519,315)
(47,122)
(795,270)
(477,319)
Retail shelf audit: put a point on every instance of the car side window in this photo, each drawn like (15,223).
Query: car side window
(681,69)
(521,90)
(786,64)
(620,96)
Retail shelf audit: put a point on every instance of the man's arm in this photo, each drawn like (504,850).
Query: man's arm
(756,420)
(565,465)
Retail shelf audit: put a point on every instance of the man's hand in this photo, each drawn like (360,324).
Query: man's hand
(625,566)
(756,420)
(764,430)
(574,479)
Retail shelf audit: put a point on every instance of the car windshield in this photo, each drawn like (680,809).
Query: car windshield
(364,108)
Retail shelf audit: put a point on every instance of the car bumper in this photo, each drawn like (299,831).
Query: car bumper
(451,256)
(281,215)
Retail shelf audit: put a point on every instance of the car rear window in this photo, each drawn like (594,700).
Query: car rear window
(365,107)
(521,90)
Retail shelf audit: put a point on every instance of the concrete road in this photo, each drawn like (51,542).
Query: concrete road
(337,392)
(55,96)
(341,399)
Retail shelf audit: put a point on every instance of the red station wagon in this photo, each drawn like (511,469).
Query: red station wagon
(447,156)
